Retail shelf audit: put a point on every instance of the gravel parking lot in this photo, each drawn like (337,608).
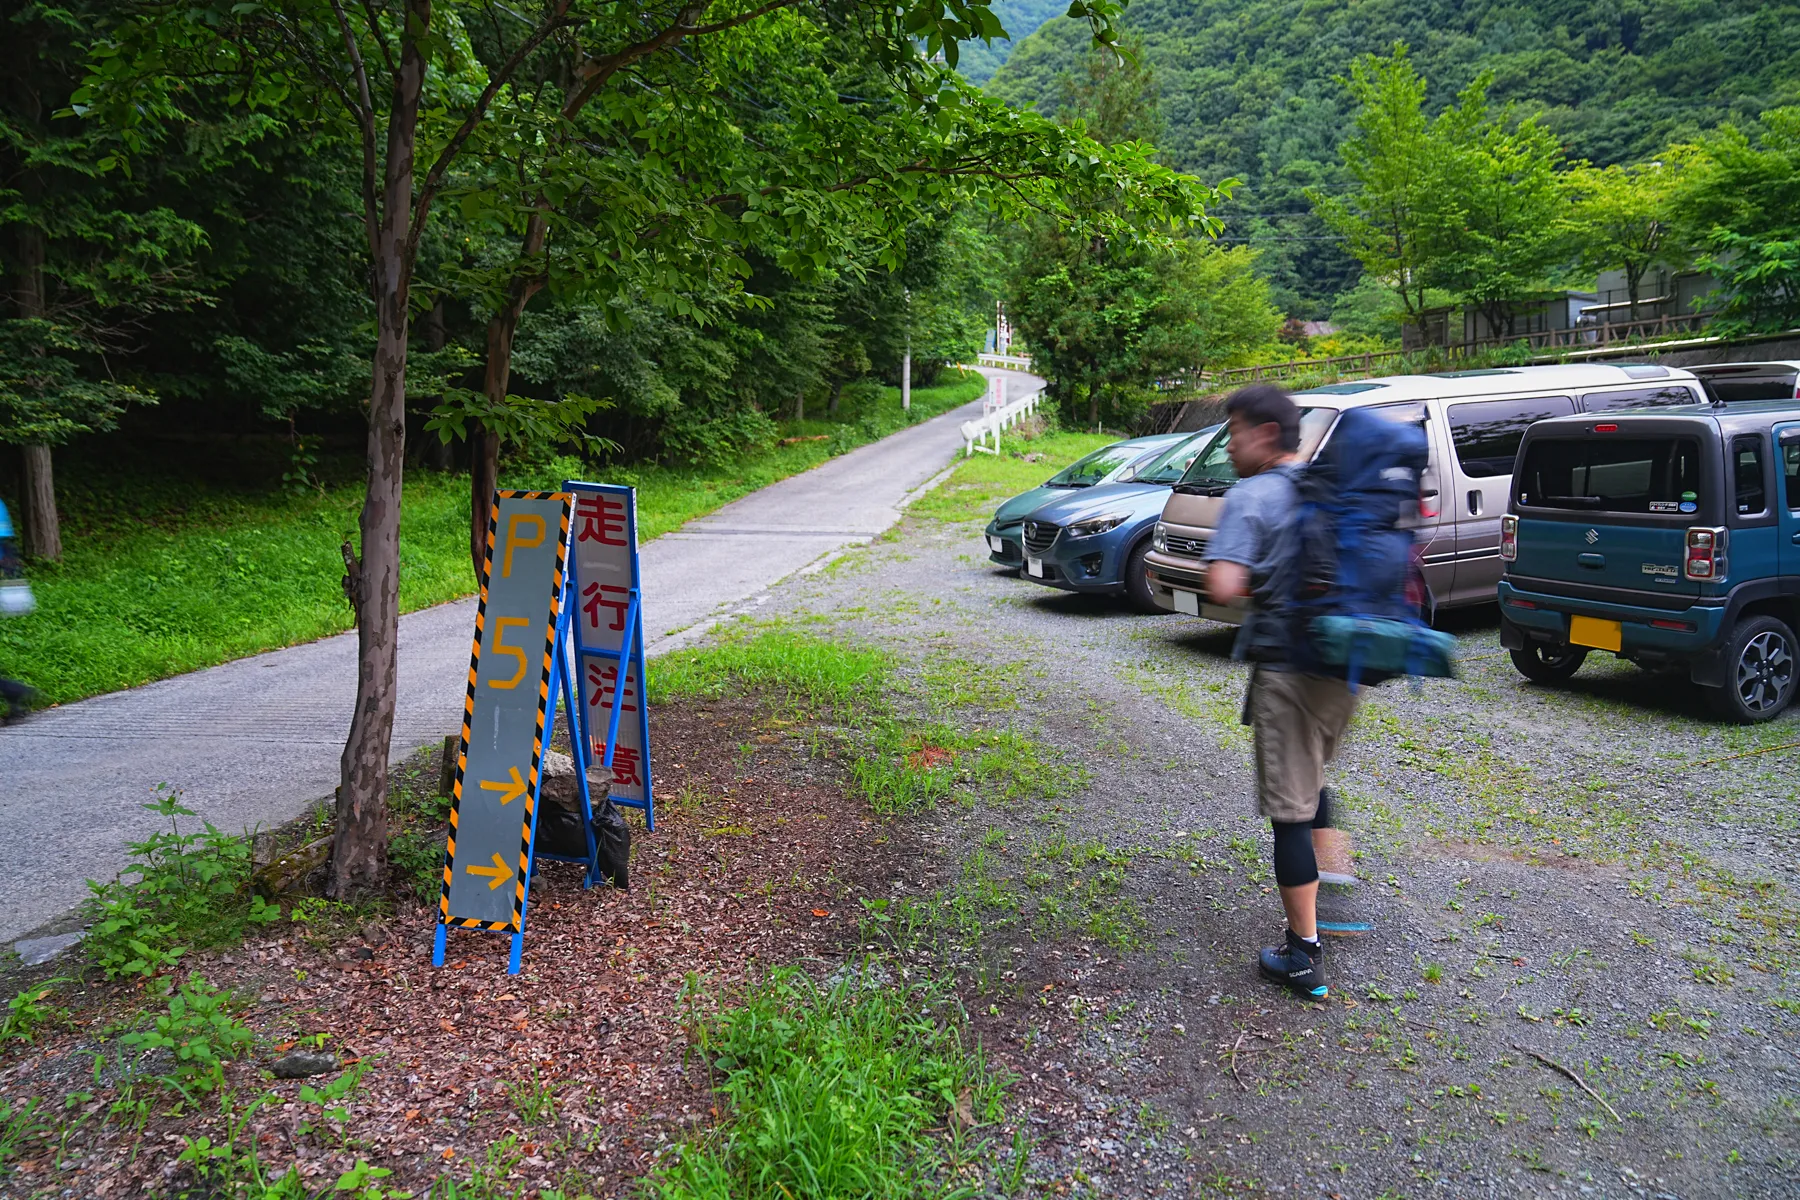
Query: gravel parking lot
(1580,981)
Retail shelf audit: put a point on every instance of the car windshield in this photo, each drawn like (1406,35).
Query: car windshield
(1172,463)
(1086,472)
(1212,467)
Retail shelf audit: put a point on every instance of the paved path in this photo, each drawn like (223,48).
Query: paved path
(251,742)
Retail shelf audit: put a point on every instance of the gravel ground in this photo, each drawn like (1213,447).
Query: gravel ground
(1591,875)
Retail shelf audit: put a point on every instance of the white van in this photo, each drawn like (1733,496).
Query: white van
(1475,420)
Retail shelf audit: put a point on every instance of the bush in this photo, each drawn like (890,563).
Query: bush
(832,1091)
(188,889)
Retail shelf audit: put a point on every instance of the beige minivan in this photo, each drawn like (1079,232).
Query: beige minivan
(1474,419)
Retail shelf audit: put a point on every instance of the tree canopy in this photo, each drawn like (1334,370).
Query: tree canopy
(1249,91)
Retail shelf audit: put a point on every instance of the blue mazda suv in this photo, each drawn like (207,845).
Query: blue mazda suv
(1095,540)
(1109,464)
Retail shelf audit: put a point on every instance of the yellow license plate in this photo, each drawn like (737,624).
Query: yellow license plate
(1594,632)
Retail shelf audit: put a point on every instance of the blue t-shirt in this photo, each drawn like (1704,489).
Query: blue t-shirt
(6,529)
(1257,529)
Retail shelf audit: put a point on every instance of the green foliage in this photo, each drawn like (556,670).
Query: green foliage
(1739,200)
(795,670)
(30,1011)
(21,1122)
(199,1032)
(1472,201)
(832,1090)
(1247,91)
(1104,318)
(1625,218)
(332,1101)
(47,396)
(181,890)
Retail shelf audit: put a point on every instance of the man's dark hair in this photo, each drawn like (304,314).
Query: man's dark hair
(1266,404)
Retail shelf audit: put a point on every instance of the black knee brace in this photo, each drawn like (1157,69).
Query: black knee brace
(1323,819)
(1294,862)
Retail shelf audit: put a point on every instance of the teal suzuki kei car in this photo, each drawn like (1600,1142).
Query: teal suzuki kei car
(1670,537)
(1094,540)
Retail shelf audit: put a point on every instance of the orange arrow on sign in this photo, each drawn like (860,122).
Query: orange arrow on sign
(510,790)
(500,871)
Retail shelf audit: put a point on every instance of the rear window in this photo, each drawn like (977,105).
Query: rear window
(1487,433)
(1644,397)
(1624,475)
(1758,387)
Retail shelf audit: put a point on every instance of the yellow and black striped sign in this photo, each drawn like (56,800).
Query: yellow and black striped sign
(504,715)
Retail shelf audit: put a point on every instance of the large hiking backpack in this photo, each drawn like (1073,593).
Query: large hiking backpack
(1352,611)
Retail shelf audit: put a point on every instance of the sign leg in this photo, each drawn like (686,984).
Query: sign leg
(518,950)
(437,945)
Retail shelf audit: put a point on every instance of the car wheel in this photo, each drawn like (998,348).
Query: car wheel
(1137,580)
(1549,664)
(1761,671)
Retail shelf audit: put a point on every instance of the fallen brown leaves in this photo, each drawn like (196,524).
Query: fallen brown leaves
(742,871)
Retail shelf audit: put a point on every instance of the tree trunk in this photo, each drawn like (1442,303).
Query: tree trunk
(43,526)
(1094,407)
(503,327)
(43,533)
(799,404)
(837,395)
(359,843)
(484,477)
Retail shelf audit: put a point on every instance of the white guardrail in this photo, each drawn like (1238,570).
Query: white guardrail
(1016,362)
(997,414)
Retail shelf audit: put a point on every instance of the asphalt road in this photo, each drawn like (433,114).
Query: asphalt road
(251,743)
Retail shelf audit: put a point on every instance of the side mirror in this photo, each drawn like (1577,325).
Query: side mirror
(1129,474)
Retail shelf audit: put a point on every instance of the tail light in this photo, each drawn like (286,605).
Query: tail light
(1705,559)
(1509,538)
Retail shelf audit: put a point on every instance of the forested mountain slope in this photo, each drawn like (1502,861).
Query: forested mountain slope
(1248,87)
(1022,18)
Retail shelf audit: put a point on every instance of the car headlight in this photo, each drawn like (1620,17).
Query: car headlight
(1094,525)
(1159,538)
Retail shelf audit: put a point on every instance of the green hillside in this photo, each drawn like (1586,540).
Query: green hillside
(1022,18)
(1248,88)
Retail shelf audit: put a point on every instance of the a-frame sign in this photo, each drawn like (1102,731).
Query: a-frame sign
(609,640)
(522,668)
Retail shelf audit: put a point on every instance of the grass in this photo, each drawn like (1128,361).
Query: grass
(980,483)
(898,761)
(178,558)
(860,1087)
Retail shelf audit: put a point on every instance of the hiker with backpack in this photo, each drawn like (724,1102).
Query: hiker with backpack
(1316,555)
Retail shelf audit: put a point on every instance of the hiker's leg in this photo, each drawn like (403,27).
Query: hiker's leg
(1297,874)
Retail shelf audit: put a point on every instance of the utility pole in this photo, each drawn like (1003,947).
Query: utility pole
(906,360)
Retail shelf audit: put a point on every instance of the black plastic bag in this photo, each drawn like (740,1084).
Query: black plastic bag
(559,832)
(613,836)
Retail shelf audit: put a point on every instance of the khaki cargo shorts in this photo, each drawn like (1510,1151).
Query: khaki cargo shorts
(1299,721)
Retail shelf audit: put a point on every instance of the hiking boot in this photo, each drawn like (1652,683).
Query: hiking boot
(1297,963)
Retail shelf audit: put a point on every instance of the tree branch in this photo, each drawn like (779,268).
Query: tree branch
(364,112)
(434,179)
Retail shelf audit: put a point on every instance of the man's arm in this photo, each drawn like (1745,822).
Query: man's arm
(1227,583)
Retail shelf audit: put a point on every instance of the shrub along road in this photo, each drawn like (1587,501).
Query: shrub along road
(250,742)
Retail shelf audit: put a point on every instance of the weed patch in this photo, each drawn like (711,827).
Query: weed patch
(835,1090)
(184,889)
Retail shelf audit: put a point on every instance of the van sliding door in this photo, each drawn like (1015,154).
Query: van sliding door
(1486,436)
